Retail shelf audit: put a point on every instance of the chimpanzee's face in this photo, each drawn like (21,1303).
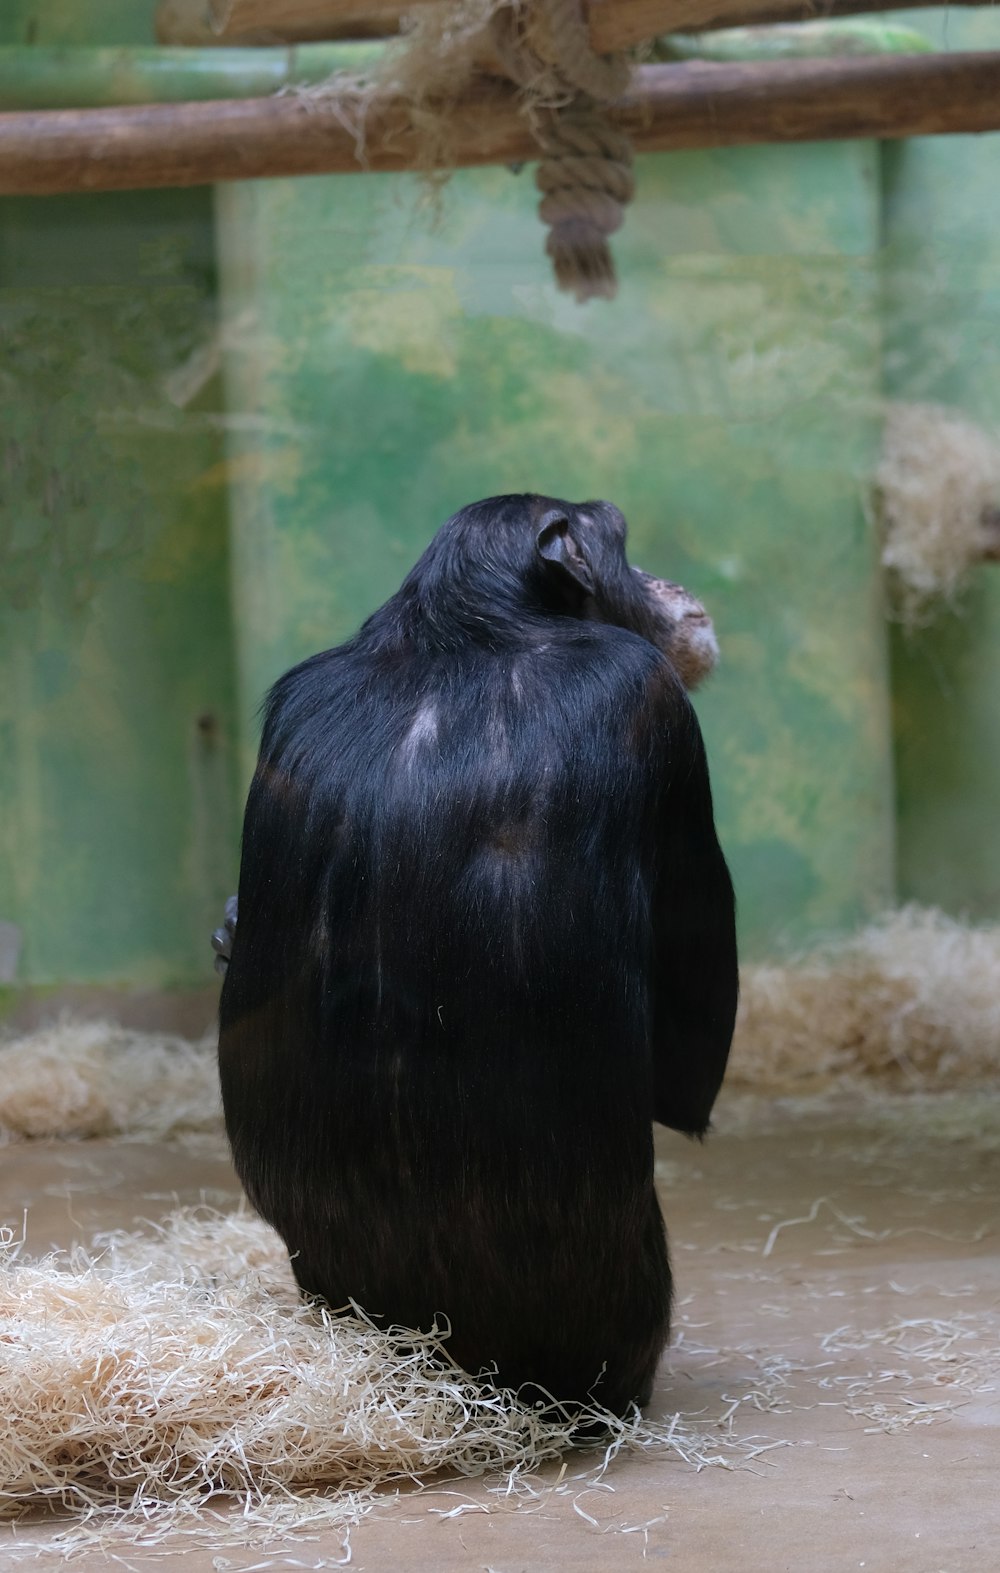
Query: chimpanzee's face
(684,630)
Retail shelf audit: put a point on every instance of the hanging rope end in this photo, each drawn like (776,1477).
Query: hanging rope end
(582,261)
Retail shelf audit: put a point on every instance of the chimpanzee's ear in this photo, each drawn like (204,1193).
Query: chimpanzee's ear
(561,556)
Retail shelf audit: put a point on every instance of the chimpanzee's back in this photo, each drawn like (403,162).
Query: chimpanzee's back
(435,1024)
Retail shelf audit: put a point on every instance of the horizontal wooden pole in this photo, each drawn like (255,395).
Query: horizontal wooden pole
(670,107)
(621,24)
(614,24)
(295,22)
(309,19)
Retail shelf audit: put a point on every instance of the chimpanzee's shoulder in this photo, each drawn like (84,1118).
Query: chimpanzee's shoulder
(616,654)
(314,673)
(308,697)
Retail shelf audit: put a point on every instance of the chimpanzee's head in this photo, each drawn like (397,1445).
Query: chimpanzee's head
(523,553)
(582,550)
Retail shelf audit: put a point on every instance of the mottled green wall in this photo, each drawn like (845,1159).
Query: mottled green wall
(117,800)
(387,374)
(942,317)
(77,22)
(379,374)
(117,698)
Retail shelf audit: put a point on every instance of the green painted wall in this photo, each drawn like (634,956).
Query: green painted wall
(385,373)
(77,22)
(115,639)
(942,315)
(381,372)
(117,793)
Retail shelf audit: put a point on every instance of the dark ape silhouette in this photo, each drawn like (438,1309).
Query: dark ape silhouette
(485,938)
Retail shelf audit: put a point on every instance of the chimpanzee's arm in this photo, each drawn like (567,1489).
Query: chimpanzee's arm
(695,981)
(273,930)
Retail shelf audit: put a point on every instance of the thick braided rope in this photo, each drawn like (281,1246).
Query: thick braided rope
(586,181)
(558,33)
(585,174)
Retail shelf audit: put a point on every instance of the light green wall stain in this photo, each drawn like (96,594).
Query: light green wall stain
(384,374)
(942,316)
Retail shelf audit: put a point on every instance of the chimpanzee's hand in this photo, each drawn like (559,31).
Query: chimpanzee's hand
(222,939)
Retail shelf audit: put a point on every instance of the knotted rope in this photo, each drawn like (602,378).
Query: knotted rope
(585,173)
(543,46)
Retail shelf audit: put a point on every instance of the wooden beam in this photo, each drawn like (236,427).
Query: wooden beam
(621,24)
(670,107)
(299,21)
(614,24)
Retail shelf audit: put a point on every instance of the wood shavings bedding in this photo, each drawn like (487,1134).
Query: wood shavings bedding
(149,1384)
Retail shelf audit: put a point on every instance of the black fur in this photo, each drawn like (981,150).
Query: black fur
(485,937)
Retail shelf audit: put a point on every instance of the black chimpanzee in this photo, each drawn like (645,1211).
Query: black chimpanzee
(485,938)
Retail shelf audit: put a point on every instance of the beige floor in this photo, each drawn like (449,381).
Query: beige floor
(838,1291)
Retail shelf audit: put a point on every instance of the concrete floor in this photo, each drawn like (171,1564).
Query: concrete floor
(838,1292)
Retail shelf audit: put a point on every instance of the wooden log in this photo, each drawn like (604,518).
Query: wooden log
(670,107)
(614,24)
(304,20)
(621,24)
